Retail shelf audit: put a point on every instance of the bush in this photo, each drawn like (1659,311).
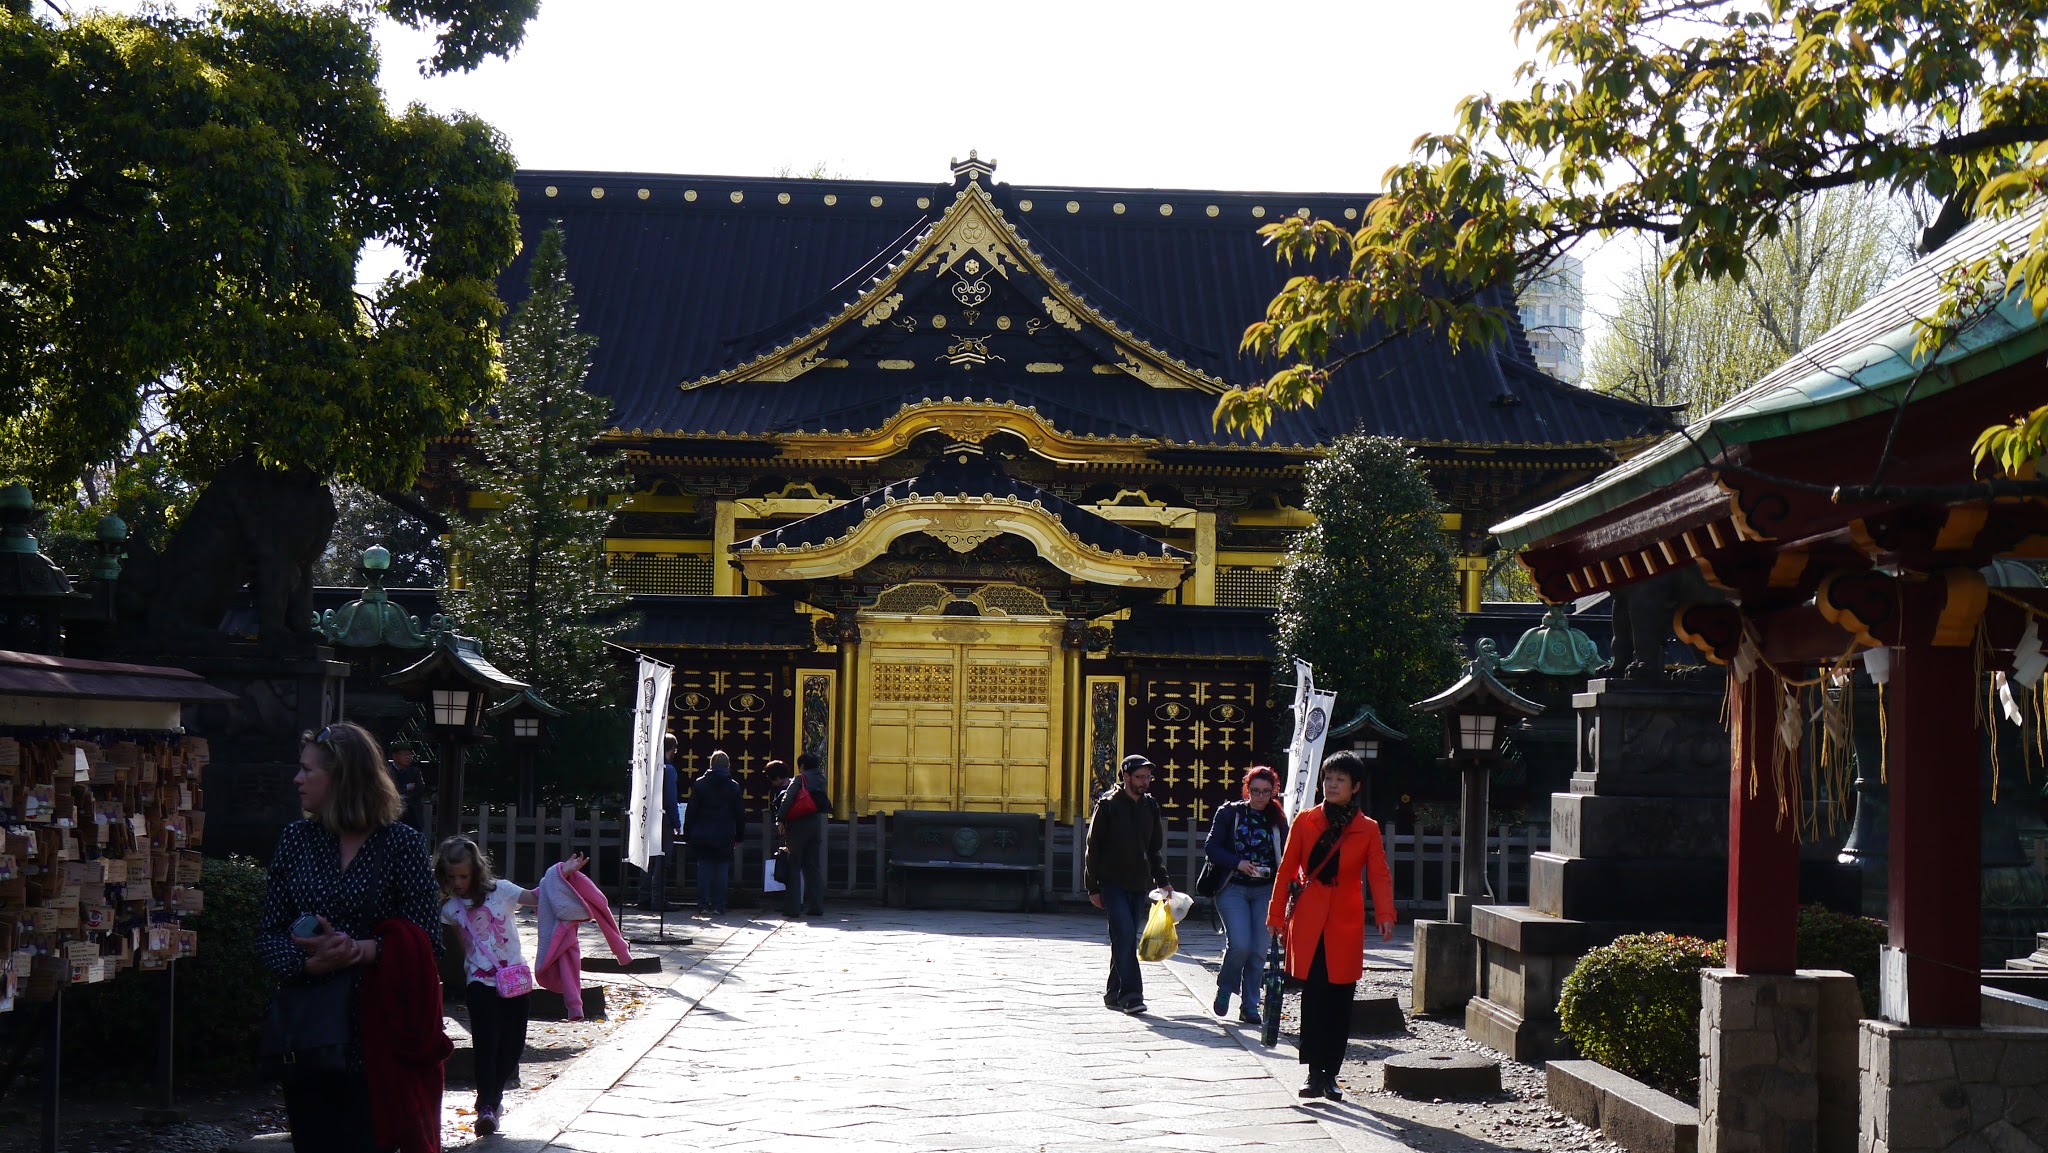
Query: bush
(223,996)
(1634,1006)
(1831,940)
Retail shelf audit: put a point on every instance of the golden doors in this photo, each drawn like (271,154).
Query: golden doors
(959,714)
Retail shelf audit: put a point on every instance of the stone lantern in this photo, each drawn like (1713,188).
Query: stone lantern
(456,683)
(33,590)
(523,714)
(1477,711)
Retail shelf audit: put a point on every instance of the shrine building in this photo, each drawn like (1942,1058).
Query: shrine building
(926,478)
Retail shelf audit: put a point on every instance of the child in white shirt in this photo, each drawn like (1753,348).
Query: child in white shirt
(494,961)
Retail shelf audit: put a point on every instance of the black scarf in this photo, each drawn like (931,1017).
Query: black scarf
(1325,849)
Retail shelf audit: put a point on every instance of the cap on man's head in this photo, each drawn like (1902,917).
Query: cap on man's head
(401,745)
(1133,763)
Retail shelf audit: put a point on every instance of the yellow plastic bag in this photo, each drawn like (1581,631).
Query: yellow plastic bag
(1159,940)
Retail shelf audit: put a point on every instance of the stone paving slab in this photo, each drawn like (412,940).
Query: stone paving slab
(926,1031)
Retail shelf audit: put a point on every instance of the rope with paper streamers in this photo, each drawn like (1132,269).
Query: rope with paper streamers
(1826,767)
(2029,662)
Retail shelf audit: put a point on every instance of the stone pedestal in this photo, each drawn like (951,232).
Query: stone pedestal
(1639,844)
(1445,967)
(1952,1089)
(254,741)
(1778,1067)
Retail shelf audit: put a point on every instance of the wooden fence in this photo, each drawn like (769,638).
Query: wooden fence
(1424,862)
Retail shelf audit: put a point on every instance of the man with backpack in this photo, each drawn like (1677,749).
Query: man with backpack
(800,822)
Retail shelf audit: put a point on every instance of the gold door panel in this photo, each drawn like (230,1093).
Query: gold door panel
(958,715)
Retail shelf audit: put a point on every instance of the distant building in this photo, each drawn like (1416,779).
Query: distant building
(1553,310)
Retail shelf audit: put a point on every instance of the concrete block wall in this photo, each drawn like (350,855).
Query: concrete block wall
(1952,1090)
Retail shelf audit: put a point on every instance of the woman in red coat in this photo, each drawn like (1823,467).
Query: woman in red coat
(1330,849)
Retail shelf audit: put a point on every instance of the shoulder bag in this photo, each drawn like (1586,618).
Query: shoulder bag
(306,1034)
(1296,884)
(1211,879)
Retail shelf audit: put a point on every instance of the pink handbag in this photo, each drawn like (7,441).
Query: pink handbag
(513,980)
(509,980)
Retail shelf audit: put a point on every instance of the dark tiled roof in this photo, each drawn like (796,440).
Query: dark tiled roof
(1196,631)
(38,675)
(689,282)
(686,622)
(965,475)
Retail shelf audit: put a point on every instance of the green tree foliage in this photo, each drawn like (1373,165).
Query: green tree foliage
(1368,592)
(535,587)
(1698,343)
(361,519)
(182,203)
(1699,123)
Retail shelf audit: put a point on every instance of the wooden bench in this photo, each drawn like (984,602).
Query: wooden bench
(956,858)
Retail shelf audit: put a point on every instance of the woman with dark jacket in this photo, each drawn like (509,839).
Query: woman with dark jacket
(1245,841)
(1329,850)
(343,871)
(712,825)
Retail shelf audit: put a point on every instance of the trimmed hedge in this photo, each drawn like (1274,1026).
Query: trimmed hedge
(110,1030)
(1831,940)
(1634,1006)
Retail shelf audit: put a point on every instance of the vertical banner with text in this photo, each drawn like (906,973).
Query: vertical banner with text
(1305,752)
(650,724)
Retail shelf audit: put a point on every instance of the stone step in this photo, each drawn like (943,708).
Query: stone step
(1525,930)
(1625,1111)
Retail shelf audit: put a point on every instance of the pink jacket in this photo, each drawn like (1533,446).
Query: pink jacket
(566,901)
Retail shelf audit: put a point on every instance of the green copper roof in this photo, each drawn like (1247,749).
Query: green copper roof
(1479,684)
(1554,648)
(371,619)
(1858,368)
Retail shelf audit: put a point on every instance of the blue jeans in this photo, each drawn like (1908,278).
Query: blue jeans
(1127,909)
(1243,907)
(714,875)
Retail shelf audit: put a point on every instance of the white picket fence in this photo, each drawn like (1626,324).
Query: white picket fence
(1424,862)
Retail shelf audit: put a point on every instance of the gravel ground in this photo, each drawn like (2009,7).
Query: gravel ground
(1518,1119)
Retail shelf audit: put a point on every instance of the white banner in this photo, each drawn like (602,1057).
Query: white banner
(1312,711)
(650,725)
(1308,762)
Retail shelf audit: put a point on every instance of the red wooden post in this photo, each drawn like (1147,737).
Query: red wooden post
(1936,839)
(1763,854)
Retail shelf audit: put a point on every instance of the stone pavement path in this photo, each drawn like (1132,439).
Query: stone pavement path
(885,1029)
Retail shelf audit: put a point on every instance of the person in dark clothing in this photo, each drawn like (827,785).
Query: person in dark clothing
(712,825)
(801,825)
(1126,858)
(654,881)
(351,866)
(405,774)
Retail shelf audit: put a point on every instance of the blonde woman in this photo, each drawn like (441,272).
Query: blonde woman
(337,875)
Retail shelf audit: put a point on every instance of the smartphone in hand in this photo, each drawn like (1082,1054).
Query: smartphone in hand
(308,925)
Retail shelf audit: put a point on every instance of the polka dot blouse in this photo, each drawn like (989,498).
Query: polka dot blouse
(389,877)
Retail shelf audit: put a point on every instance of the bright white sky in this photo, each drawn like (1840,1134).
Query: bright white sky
(1283,95)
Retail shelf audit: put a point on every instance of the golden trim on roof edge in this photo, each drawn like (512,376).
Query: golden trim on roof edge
(973,224)
(960,517)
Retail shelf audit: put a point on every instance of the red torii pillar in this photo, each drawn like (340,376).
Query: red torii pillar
(1930,975)
(1763,849)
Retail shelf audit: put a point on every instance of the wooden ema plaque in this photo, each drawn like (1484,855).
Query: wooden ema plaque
(99,858)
